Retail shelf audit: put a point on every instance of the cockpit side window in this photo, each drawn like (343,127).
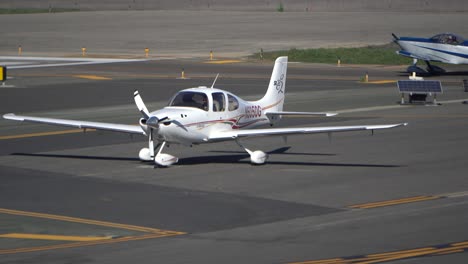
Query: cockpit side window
(448,38)
(218,102)
(233,103)
(190,99)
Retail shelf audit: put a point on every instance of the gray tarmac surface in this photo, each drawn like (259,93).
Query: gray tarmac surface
(297,207)
(213,206)
(228,34)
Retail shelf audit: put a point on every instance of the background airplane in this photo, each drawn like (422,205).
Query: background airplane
(446,47)
(207,115)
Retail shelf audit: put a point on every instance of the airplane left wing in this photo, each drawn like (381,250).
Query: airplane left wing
(295,131)
(132,129)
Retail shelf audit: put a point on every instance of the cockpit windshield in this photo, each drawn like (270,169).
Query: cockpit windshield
(190,99)
(448,38)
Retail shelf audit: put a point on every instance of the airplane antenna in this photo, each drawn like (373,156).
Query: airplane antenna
(214,80)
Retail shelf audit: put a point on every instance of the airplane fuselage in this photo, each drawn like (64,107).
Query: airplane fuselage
(424,48)
(193,125)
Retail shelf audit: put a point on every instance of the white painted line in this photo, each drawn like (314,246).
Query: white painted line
(11,63)
(65,61)
(56,64)
(457,194)
(386,107)
(372,108)
(452,101)
(17,58)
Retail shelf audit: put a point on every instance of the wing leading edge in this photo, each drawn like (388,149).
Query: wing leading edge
(295,131)
(132,129)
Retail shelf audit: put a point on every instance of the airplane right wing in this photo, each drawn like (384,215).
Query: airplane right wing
(132,129)
(233,134)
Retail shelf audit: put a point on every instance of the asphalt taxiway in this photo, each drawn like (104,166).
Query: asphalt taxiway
(68,196)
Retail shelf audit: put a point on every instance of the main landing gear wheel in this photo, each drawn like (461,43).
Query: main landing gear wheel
(257,157)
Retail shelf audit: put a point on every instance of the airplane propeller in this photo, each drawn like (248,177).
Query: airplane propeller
(151,121)
(150,124)
(140,104)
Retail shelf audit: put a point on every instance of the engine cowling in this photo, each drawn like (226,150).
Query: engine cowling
(143,125)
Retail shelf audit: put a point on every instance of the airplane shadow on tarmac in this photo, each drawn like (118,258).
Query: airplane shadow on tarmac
(244,159)
(74,157)
(281,150)
(232,157)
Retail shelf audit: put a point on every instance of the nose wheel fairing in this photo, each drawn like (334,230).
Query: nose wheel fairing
(161,159)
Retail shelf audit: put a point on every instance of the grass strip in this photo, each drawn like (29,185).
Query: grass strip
(382,54)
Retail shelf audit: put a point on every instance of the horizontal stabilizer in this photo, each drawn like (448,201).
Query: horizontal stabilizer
(300,114)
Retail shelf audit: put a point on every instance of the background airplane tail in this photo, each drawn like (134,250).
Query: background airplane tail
(274,97)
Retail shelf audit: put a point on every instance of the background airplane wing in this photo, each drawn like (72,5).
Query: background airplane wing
(132,129)
(291,131)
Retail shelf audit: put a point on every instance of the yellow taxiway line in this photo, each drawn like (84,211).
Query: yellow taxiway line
(92,77)
(87,221)
(86,241)
(380,82)
(50,133)
(395,255)
(395,202)
(53,237)
(82,244)
(223,61)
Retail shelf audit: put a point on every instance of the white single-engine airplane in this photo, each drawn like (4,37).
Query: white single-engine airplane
(445,47)
(206,115)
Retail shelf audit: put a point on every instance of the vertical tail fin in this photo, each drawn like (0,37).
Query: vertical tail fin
(274,97)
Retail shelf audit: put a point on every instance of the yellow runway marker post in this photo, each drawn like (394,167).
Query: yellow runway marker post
(3,74)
